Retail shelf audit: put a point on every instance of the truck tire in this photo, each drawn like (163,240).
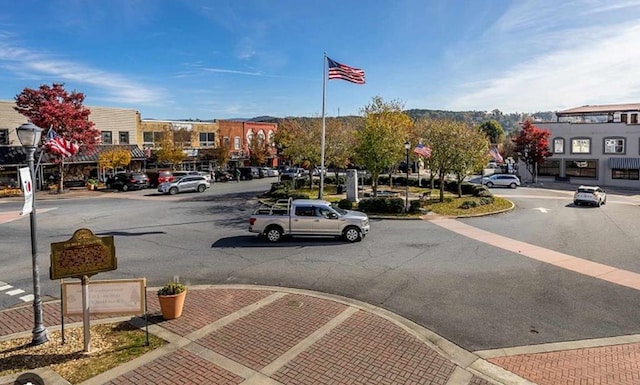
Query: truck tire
(273,234)
(352,234)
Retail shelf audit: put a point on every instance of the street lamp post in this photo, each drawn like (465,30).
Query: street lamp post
(406,190)
(29,135)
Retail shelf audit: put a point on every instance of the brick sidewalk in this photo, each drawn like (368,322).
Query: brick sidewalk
(263,335)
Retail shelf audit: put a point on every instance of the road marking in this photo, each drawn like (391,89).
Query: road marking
(27,298)
(5,287)
(10,216)
(592,269)
(542,210)
(15,292)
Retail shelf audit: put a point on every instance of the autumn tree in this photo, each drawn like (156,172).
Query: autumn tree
(300,140)
(259,150)
(169,150)
(52,107)
(532,145)
(114,158)
(472,148)
(493,130)
(450,152)
(380,142)
(339,143)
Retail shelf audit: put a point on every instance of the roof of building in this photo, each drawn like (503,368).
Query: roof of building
(601,109)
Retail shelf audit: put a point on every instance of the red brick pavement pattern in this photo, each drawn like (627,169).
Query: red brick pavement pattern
(618,364)
(181,367)
(262,336)
(475,380)
(20,319)
(367,349)
(205,306)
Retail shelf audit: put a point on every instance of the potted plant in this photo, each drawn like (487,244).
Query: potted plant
(171,297)
(92,184)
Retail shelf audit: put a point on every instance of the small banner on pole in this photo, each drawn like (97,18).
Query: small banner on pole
(27,189)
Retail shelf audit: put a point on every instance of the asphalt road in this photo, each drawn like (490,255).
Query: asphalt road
(472,293)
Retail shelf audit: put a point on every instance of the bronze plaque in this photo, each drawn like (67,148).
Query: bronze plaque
(83,254)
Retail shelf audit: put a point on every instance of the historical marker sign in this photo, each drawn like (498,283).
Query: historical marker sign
(82,255)
(119,296)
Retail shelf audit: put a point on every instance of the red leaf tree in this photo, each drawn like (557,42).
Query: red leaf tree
(55,108)
(532,145)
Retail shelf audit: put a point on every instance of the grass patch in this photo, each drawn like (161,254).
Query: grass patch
(111,345)
(451,206)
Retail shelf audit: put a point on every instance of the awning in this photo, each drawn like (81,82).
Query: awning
(624,163)
(17,156)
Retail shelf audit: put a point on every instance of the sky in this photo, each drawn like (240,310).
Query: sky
(225,59)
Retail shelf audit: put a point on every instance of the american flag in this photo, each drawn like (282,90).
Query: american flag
(344,72)
(59,145)
(495,155)
(422,150)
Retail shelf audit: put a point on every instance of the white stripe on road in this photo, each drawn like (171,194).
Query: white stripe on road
(15,292)
(5,287)
(27,298)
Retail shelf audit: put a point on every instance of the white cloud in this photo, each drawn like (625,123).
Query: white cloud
(111,87)
(593,63)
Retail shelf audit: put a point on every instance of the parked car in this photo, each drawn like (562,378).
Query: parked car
(591,195)
(292,173)
(128,181)
(159,176)
(249,173)
(270,172)
(186,183)
(316,171)
(222,176)
(501,180)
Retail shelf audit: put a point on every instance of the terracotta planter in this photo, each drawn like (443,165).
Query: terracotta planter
(171,305)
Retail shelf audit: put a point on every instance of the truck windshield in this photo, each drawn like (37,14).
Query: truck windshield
(339,210)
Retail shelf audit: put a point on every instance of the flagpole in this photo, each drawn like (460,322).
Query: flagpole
(324,98)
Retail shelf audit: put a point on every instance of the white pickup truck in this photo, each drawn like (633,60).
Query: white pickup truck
(308,217)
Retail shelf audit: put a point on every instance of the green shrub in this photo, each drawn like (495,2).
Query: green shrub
(346,204)
(468,204)
(382,205)
(414,206)
(297,195)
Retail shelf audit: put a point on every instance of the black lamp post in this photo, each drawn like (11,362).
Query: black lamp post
(407,145)
(29,135)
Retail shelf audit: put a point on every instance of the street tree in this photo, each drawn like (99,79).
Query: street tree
(446,139)
(300,139)
(493,130)
(339,143)
(380,142)
(53,108)
(170,150)
(114,158)
(532,145)
(472,148)
(259,150)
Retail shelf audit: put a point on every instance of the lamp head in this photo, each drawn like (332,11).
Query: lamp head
(407,145)
(29,135)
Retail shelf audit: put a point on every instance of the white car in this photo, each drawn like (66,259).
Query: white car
(591,195)
(503,180)
(186,183)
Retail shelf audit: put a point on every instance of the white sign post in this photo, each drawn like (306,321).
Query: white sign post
(27,189)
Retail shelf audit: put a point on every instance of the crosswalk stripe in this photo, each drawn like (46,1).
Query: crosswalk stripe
(15,292)
(27,298)
(5,287)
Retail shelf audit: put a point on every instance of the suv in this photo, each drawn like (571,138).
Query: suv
(592,195)
(249,173)
(159,176)
(503,180)
(187,183)
(128,181)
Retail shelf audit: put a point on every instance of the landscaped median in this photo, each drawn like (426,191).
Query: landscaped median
(475,200)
